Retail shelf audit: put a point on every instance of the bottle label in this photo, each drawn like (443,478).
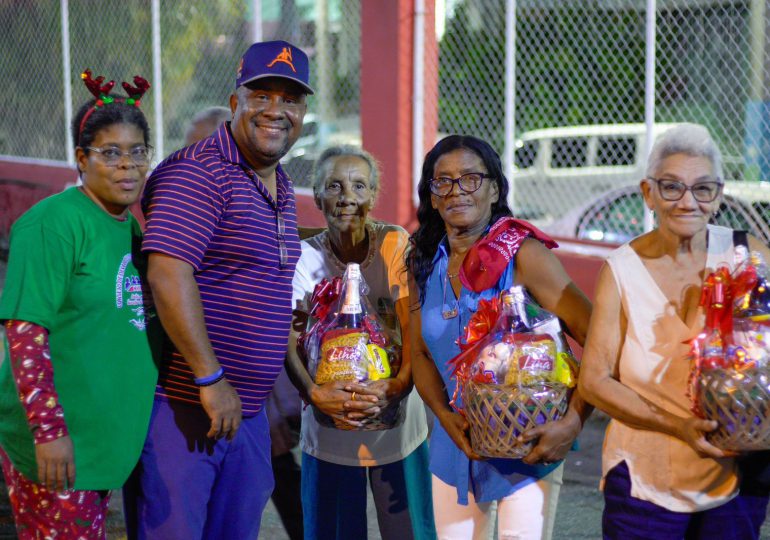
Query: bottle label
(354,272)
(350,309)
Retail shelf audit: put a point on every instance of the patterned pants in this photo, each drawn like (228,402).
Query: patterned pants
(41,514)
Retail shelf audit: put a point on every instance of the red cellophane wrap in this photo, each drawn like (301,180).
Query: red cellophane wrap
(730,370)
(338,347)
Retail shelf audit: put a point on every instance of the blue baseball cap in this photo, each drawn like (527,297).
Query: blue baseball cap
(274,59)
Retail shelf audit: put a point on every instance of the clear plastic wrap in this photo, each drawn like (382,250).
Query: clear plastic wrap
(515,372)
(730,378)
(349,342)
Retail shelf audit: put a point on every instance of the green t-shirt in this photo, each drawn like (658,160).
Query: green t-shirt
(72,271)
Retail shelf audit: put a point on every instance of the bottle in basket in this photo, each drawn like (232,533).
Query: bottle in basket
(346,351)
(354,345)
(516,380)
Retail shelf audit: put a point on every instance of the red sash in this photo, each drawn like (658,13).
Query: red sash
(487,259)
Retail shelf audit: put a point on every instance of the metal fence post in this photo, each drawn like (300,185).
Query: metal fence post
(510,96)
(66,69)
(649,92)
(157,83)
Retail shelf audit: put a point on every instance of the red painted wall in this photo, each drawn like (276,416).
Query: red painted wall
(23,183)
(387,98)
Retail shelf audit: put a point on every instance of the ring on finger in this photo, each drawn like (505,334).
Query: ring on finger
(353,398)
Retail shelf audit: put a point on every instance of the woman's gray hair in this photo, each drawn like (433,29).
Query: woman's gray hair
(344,150)
(689,139)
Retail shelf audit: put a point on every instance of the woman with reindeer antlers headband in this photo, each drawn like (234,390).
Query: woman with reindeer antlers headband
(77,386)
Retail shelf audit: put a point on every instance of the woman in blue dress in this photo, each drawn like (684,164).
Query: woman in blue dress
(463,193)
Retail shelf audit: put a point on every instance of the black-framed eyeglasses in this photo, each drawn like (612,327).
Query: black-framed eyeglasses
(469,182)
(673,190)
(280,236)
(111,155)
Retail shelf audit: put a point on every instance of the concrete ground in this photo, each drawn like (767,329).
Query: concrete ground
(578,516)
(579,513)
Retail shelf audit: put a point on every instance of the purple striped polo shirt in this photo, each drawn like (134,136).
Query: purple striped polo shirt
(206,206)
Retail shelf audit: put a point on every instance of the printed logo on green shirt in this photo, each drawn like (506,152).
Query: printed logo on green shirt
(129,287)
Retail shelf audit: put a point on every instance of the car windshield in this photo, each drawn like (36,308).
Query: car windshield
(732,214)
(618,220)
(763,209)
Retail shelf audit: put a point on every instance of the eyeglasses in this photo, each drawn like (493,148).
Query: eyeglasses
(111,156)
(470,182)
(672,190)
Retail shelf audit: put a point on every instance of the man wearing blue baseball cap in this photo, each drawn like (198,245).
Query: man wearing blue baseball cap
(222,243)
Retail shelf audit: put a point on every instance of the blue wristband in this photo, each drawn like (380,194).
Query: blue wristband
(208,380)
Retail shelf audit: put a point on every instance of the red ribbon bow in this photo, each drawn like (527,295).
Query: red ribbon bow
(480,323)
(324,295)
(720,290)
(479,326)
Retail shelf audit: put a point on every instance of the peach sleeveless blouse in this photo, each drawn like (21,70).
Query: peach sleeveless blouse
(653,362)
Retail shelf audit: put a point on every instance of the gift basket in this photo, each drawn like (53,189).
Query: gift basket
(349,342)
(730,376)
(515,373)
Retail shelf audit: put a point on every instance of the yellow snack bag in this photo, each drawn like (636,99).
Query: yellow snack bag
(563,372)
(379,367)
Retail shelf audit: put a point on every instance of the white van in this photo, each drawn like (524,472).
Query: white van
(556,169)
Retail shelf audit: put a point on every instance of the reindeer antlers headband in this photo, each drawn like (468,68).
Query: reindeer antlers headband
(102,92)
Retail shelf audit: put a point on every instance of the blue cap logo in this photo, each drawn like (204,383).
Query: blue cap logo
(274,59)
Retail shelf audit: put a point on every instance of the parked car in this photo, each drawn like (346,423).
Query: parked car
(314,139)
(556,169)
(618,215)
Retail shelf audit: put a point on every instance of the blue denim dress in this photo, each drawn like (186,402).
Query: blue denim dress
(494,478)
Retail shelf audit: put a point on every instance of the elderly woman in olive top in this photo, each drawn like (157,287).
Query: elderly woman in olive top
(336,463)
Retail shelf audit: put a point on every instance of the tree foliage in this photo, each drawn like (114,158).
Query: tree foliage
(574,65)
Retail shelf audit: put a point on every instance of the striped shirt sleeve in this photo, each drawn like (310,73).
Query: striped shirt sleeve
(183,204)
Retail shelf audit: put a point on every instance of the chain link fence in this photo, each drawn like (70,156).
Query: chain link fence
(579,84)
(201,42)
(580,101)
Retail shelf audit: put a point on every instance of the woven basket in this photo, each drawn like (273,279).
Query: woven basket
(740,403)
(389,418)
(498,414)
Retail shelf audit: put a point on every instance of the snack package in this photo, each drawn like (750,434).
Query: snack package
(514,373)
(525,344)
(730,374)
(349,342)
